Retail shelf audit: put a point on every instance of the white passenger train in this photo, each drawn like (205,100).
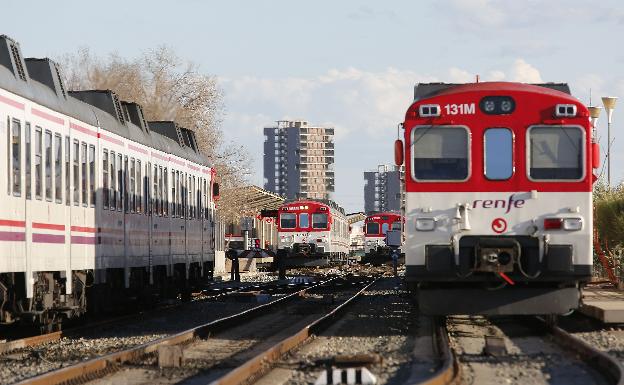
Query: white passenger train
(99,205)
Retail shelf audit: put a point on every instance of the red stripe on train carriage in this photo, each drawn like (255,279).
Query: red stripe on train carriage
(82,229)
(84,130)
(48,238)
(110,139)
(82,240)
(11,102)
(47,116)
(137,149)
(48,226)
(16,236)
(10,223)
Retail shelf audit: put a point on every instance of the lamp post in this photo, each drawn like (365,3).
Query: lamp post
(609,105)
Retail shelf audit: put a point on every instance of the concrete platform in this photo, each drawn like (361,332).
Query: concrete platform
(603,303)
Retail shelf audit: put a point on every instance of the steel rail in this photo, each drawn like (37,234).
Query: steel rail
(450,369)
(600,361)
(9,346)
(90,368)
(258,364)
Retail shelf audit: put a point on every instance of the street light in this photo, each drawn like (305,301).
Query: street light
(609,104)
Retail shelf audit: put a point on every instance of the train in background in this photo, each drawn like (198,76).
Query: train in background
(100,206)
(312,233)
(376,226)
(498,188)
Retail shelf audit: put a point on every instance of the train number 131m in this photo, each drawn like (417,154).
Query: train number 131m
(460,109)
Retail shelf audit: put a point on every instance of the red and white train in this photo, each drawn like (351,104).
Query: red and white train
(498,198)
(312,233)
(99,205)
(375,228)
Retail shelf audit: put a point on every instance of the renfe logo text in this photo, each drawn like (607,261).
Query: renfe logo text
(498,203)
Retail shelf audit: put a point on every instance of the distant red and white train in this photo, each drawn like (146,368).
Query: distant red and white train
(376,227)
(312,232)
(99,205)
(498,183)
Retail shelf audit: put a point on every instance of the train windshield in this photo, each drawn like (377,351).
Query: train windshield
(372,228)
(288,221)
(440,153)
(498,153)
(384,228)
(304,220)
(556,153)
(319,221)
(396,225)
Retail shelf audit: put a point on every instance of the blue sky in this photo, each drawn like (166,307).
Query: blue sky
(349,64)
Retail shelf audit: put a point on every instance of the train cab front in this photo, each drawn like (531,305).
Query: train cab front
(498,199)
(302,235)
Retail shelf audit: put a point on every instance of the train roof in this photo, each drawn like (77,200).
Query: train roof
(325,202)
(40,81)
(428,90)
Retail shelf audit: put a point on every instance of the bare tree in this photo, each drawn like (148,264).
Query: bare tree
(168,89)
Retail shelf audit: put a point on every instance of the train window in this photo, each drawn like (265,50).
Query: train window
(120,182)
(440,153)
(83,158)
(319,221)
(58,169)
(76,173)
(372,228)
(146,189)
(155,191)
(48,164)
(556,153)
(288,221)
(173,195)
(67,172)
(105,191)
(304,220)
(166,192)
(498,153)
(113,182)
(384,228)
(92,175)
(28,155)
(132,185)
(161,195)
(177,198)
(126,186)
(38,163)
(139,180)
(396,225)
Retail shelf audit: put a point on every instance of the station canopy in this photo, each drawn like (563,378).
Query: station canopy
(355,217)
(248,200)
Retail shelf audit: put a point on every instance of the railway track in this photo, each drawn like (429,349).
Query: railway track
(146,354)
(517,350)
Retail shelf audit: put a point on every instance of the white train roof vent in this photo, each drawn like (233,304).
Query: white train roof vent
(134,113)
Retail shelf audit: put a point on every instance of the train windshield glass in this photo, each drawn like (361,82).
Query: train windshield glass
(372,228)
(319,221)
(440,153)
(288,221)
(556,153)
(384,228)
(396,225)
(498,153)
(304,220)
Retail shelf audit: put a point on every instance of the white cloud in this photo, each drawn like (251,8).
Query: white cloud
(521,71)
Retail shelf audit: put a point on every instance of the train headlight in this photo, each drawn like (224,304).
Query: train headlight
(425,224)
(489,106)
(572,224)
(497,105)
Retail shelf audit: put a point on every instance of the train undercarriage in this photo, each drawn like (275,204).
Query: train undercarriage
(51,305)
